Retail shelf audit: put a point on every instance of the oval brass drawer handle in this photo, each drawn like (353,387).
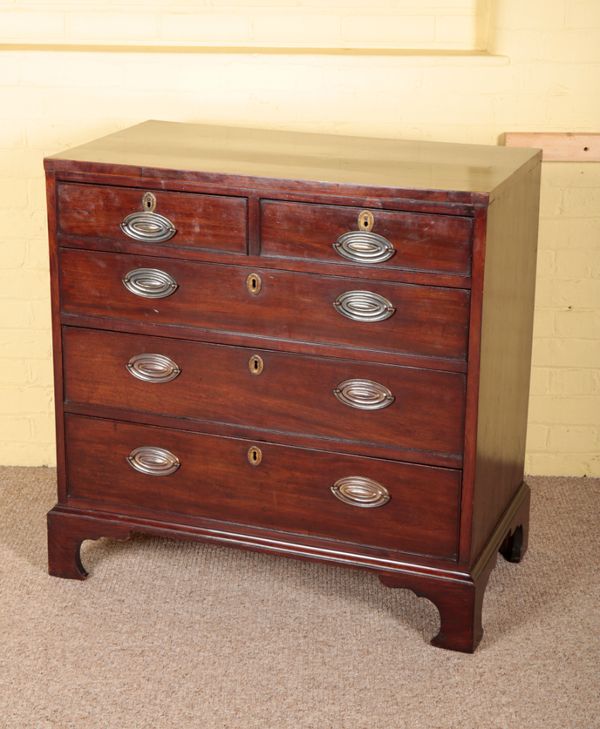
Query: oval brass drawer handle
(153,461)
(363,394)
(150,283)
(360,491)
(150,367)
(364,306)
(364,247)
(148,227)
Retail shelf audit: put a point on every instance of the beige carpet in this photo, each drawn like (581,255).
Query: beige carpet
(171,634)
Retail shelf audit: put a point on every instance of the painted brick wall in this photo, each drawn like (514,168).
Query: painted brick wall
(542,76)
(564,416)
(258,23)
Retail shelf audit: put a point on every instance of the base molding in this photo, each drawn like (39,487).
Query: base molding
(457,593)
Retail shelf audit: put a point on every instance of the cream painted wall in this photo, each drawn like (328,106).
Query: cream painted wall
(541,75)
(258,23)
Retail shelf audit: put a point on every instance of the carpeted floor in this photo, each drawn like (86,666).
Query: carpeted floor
(176,635)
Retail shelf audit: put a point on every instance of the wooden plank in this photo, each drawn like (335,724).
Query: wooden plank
(505,353)
(298,156)
(559,146)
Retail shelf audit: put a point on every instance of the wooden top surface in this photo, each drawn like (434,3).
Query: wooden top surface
(283,155)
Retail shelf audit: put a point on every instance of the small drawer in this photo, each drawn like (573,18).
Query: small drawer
(132,468)
(125,214)
(271,304)
(409,413)
(368,237)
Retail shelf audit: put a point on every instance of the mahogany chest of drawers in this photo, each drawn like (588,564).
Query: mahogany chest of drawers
(316,346)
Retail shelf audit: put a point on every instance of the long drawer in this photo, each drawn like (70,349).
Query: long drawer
(279,305)
(366,404)
(131,468)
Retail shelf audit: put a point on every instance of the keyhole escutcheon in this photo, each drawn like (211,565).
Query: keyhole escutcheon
(254,455)
(254,283)
(149,202)
(366,220)
(256,364)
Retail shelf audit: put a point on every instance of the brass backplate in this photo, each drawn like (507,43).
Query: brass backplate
(254,455)
(254,283)
(149,202)
(256,364)
(366,220)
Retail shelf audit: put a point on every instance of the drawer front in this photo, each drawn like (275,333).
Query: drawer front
(399,408)
(421,320)
(378,502)
(398,240)
(212,222)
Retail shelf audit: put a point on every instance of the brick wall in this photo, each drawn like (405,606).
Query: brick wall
(564,416)
(258,23)
(542,76)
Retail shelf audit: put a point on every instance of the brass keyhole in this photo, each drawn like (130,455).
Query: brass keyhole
(254,456)
(256,364)
(149,201)
(366,220)
(254,283)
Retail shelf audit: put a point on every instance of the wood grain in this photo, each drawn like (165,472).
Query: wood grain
(559,146)
(56,335)
(207,222)
(293,394)
(455,353)
(428,321)
(289,490)
(438,244)
(459,172)
(505,354)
